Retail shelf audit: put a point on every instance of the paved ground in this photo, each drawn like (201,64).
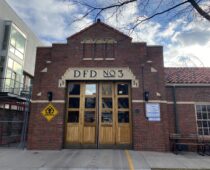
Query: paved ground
(13,159)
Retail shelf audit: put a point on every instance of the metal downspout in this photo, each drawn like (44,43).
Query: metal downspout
(177,130)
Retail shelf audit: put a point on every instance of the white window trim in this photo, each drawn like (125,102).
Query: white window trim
(199,103)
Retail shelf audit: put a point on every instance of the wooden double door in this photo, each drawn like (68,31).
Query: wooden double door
(98,115)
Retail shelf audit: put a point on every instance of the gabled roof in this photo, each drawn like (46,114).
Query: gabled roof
(99,23)
(187,75)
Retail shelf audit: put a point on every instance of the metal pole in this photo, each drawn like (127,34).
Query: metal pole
(25,123)
(177,130)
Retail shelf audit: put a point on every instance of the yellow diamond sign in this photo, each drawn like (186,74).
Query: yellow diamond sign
(49,112)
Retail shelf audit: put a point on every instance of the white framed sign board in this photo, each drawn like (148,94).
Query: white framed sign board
(153,111)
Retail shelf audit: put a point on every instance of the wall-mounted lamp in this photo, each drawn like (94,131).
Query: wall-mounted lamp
(146,96)
(50,96)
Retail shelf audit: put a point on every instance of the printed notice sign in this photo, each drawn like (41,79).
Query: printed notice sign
(153,111)
(49,112)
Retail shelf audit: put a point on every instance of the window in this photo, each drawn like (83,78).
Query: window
(203,119)
(17,43)
(123,117)
(90,89)
(89,116)
(6,37)
(122,89)
(106,117)
(99,48)
(26,82)
(74,102)
(14,75)
(74,89)
(107,102)
(90,102)
(123,103)
(10,63)
(106,89)
(2,60)
(73,116)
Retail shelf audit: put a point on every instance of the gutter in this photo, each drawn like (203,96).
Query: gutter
(176,125)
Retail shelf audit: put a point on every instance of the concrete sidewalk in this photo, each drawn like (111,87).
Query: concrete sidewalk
(14,159)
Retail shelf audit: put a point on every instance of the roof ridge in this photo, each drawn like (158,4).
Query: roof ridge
(96,23)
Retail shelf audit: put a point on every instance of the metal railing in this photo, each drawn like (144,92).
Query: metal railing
(14,120)
(15,87)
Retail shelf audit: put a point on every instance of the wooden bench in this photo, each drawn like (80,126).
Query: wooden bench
(194,140)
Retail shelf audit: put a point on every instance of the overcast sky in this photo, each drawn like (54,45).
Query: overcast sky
(51,20)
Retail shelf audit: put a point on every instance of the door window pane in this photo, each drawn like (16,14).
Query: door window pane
(74,89)
(107,102)
(122,89)
(123,117)
(106,89)
(123,103)
(89,117)
(73,116)
(90,102)
(106,117)
(90,89)
(74,102)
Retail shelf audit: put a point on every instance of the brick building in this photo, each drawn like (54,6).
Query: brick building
(101,90)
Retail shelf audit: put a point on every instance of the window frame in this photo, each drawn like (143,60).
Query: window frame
(196,116)
(13,26)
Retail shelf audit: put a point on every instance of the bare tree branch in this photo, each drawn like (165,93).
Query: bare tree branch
(158,13)
(199,9)
(150,9)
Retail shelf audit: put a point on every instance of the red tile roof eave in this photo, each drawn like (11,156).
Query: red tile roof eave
(187,75)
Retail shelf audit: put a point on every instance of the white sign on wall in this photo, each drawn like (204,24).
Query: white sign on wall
(153,111)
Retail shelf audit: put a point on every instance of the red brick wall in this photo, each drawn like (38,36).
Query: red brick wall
(44,134)
(186,112)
